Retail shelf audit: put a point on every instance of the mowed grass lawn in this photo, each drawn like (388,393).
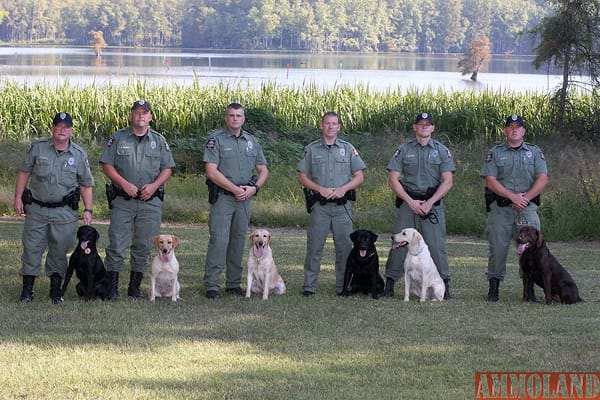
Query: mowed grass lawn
(325,347)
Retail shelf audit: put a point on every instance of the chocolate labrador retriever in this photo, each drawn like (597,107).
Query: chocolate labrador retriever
(88,266)
(542,268)
(362,266)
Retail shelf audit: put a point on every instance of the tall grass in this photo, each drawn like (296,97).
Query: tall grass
(186,111)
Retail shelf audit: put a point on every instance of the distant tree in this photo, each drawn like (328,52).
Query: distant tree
(97,42)
(570,39)
(472,60)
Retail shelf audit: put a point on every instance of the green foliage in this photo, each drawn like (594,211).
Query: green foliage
(309,25)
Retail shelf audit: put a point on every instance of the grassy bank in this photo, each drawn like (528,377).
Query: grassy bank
(325,347)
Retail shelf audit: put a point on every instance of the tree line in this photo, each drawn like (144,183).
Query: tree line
(305,25)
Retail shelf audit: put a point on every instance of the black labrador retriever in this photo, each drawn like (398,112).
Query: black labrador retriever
(542,268)
(88,266)
(362,266)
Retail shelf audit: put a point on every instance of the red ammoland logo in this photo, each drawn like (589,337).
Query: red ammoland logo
(537,385)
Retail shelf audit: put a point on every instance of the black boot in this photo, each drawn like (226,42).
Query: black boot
(447,295)
(493,295)
(27,292)
(113,286)
(389,288)
(55,291)
(135,279)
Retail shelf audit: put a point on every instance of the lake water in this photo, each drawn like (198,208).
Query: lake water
(379,72)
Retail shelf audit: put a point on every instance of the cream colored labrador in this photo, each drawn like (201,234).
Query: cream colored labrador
(165,267)
(262,272)
(420,272)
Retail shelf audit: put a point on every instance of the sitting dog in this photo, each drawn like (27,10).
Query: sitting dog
(165,267)
(88,266)
(420,272)
(539,266)
(262,272)
(362,266)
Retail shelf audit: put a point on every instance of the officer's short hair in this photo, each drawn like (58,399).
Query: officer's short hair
(331,114)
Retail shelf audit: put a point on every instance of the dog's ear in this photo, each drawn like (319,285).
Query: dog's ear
(175,241)
(415,238)
(155,240)
(251,237)
(374,236)
(540,239)
(269,238)
(353,236)
(96,235)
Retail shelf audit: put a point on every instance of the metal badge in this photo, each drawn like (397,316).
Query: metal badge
(153,145)
(71,161)
(342,152)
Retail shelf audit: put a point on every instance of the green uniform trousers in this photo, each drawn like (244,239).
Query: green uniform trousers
(322,220)
(53,228)
(228,226)
(434,233)
(503,225)
(133,223)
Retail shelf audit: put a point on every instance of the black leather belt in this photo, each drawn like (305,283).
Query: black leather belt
(48,205)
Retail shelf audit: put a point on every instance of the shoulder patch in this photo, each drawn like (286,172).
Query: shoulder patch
(489,157)
(449,153)
(354,151)
(210,143)
(110,141)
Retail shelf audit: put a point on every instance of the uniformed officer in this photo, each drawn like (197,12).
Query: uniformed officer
(58,173)
(138,161)
(331,168)
(420,174)
(231,156)
(516,173)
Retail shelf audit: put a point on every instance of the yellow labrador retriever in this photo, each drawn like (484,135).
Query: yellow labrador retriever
(420,272)
(262,272)
(165,267)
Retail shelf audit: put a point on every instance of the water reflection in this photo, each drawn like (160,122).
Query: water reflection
(377,71)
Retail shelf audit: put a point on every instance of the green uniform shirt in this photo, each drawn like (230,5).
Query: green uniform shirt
(421,167)
(330,166)
(515,169)
(54,174)
(138,161)
(235,157)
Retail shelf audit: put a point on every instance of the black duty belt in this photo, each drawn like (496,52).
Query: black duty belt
(49,205)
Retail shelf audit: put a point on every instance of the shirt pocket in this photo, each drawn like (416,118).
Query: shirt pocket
(342,165)
(68,175)
(410,165)
(42,167)
(153,158)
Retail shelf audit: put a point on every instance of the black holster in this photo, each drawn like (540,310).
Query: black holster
(26,197)
(72,199)
(213,191)
(110,194)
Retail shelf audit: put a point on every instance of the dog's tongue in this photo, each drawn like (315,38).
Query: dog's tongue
(260,251)
(521,248)
(165,257)
(362,253)
(83,245)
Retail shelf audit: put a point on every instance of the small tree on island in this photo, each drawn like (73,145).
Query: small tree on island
(97,42)
(472,60)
